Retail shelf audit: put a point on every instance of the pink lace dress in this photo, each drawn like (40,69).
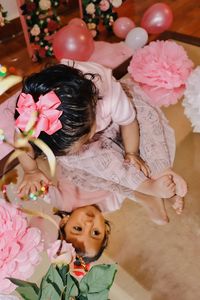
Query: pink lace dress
(98,173)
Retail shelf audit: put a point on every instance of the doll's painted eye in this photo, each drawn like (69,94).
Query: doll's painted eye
(77,228)
(95,232)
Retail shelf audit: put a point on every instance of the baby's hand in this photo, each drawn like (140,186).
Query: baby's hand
(32,184)
(137,162)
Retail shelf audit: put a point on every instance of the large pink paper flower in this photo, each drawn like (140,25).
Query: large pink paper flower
(161,66)
(20,246)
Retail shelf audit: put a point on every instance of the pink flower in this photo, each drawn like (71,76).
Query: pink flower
(104,5)
(45,4)
(67,253)
(20,246)
(35,30)
(90,9)
(116,3)
(162,64)
(161,67)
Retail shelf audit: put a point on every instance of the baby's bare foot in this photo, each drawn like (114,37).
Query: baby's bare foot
(181,185)
(177,203)
(154,206)
(162,187)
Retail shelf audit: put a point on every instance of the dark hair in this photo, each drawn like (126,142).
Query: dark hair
(78,95)
(80,250)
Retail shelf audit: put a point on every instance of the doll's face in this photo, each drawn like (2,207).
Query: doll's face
(85,228)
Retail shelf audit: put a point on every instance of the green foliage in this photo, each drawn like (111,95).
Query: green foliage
(28,290)
(59,284)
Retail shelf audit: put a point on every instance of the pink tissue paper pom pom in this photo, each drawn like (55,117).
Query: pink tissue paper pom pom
(162,97)
(161,69)
(20,246)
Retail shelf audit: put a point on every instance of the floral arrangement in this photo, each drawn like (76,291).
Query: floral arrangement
(20,246)
(61,282)
(191,100)
(95,11)
(42,22)
(161,70)
(3,15)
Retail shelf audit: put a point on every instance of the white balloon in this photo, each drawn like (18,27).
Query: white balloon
(136,38)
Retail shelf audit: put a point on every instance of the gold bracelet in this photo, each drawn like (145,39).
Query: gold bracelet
(132,153)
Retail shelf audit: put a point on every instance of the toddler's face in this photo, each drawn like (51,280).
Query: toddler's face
(85,229)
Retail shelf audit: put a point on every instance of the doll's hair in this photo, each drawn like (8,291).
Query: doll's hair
(78,95)
(79,250)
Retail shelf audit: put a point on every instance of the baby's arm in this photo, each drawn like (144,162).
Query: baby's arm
(33,178)
(131,139)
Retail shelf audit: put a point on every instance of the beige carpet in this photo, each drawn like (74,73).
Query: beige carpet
(165,260)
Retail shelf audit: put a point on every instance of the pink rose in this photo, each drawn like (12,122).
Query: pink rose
(67,253)
(45,4)
(20,246)
(90,9)
(35,30)
(116,3)
(104,5)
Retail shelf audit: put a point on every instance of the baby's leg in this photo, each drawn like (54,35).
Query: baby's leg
(162,187)
(154,206)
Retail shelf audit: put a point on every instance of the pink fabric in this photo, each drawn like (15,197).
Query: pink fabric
(7,123)
(110,55)
(114,105)
(98,174)
(47,116)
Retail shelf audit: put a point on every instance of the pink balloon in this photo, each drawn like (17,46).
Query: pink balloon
(122,26)
(77,22)
(73,42)
(157,18)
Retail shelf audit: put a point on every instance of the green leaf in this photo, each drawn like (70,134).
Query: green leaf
(98,296)
(71,288)
(51,286)
(63,271)
(98,279)
(28,290)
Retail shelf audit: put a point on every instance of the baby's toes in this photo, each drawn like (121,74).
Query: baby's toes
(181,189)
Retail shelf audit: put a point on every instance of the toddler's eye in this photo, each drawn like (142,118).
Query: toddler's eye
(77,228)
(95,232)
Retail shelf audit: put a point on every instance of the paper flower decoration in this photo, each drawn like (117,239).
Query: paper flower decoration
(20,246)
(161,69)
(191,100)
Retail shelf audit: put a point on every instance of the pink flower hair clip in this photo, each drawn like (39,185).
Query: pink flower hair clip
(42,115)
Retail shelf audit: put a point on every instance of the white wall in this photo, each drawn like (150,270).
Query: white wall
(11,7)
